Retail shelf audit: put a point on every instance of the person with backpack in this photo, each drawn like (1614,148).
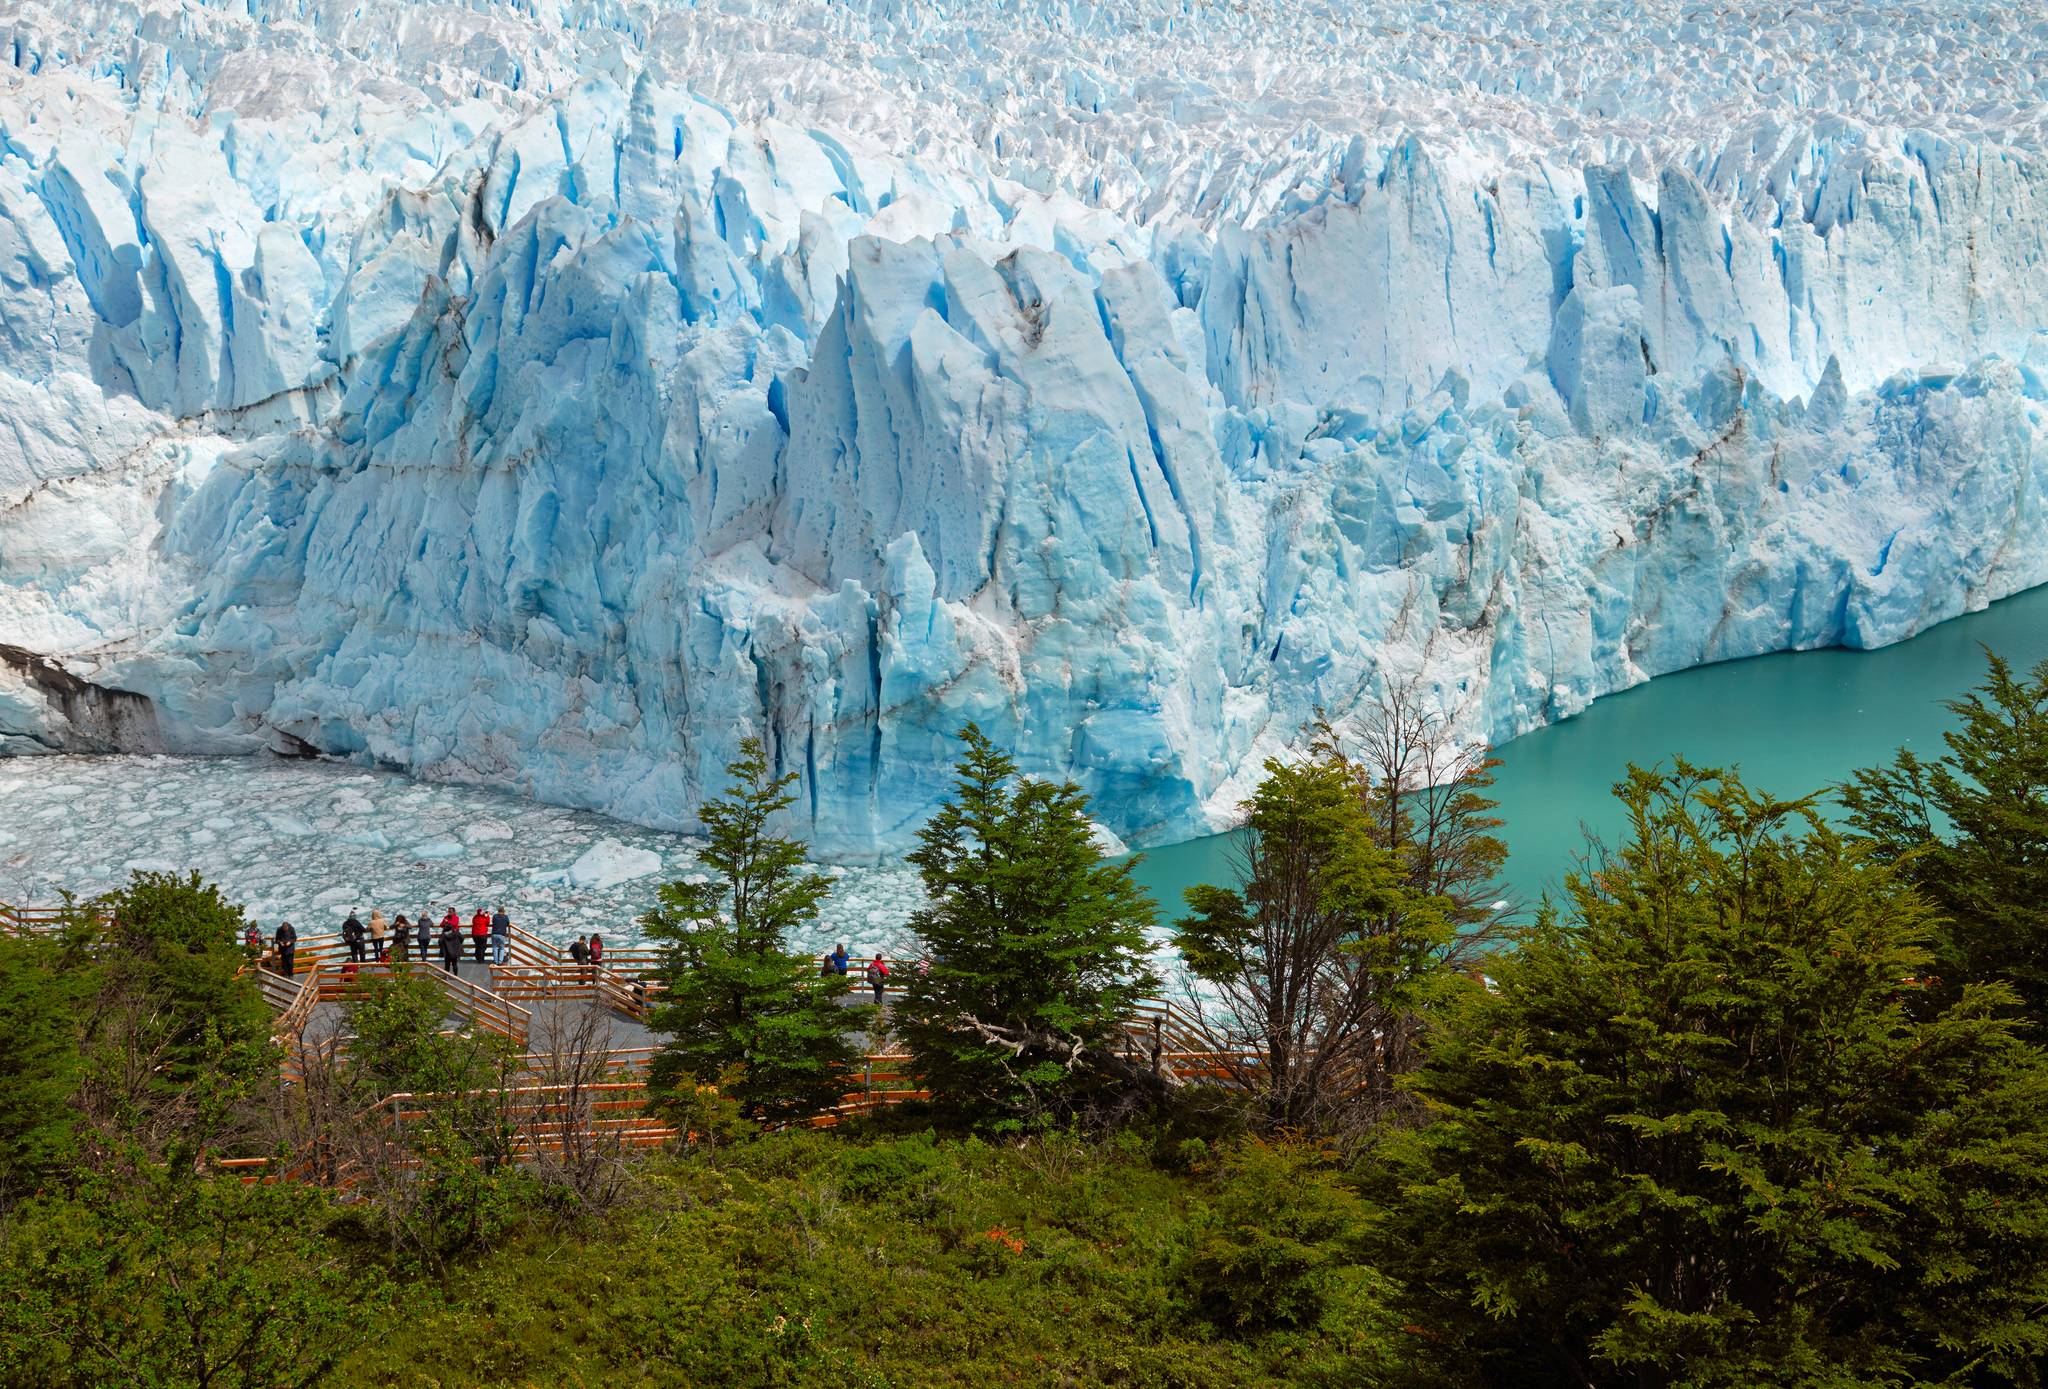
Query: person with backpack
(451,945)
(579,952)
(501,936)
(352,937)
(252,942)
(480,932)
(287,942)
(878,974)
(596,949)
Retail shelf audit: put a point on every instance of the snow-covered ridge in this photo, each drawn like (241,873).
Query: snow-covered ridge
(549,394)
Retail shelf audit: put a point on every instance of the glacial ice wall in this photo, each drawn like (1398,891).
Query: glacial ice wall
(550,395)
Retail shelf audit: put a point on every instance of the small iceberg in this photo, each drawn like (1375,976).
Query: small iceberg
(608,863)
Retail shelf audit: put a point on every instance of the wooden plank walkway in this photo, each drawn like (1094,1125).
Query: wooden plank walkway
(548,1003)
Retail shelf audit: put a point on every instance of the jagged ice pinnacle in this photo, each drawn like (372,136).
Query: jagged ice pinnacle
(551,395)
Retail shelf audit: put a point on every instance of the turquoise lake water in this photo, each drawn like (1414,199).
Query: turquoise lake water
(1793,723)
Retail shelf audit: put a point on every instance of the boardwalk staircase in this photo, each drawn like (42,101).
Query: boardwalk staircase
(606,1100)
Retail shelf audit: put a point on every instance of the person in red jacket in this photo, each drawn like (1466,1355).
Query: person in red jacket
(480,932)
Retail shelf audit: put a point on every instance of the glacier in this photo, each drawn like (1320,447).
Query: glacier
(549,395)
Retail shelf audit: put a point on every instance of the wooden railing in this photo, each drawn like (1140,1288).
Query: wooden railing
(481,1006)
(565,982)
(21,921)
(545,1118)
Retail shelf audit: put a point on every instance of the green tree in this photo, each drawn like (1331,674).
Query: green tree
(39,1056)
(1971,831)
(1035,945)
(175,1038)
(1320,962)
(733,996)
(421,1122)
(177,941)
(183,1281)
(1700,1138)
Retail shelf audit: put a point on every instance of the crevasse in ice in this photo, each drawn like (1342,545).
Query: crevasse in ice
(550,395)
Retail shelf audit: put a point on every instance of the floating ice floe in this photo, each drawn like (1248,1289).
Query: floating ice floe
(608,863)
(73,839)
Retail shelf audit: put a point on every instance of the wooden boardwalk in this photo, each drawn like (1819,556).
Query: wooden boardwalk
(551,1006)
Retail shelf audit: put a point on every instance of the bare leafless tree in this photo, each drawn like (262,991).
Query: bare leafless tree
(1424,792)
(578,1123)
(1366,883)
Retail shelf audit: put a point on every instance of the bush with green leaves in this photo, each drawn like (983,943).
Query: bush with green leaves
(426,1131)
(1277,1240)
(1705,1134)
(129,1034)
(181,1280)
(41,1059)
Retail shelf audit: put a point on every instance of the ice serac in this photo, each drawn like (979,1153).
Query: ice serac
(552,395)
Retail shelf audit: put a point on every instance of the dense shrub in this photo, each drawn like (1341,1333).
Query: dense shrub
(1269,1249)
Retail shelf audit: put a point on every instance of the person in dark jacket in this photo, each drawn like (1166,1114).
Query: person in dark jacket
(287,942)
(579,951)
(401,938)
(426,934)
(501,936)
(451,945)
(352,937)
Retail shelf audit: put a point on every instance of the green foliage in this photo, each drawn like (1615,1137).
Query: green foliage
(175,945)
(1970,829)
(127,1037)
(183,1281)
(909,1261)
(40,1058)
(1275,1244)
(1323,956)
(1702,1138)
(733,996)
(403,1039)
(1035,945)
(437,1169)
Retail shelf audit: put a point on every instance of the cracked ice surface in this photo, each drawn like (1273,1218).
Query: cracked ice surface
(307,842)
(546,396)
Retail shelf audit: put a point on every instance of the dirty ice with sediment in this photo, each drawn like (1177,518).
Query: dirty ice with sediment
(545,396)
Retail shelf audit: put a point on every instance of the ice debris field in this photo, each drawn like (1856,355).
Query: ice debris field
(546,396)
(310,842)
